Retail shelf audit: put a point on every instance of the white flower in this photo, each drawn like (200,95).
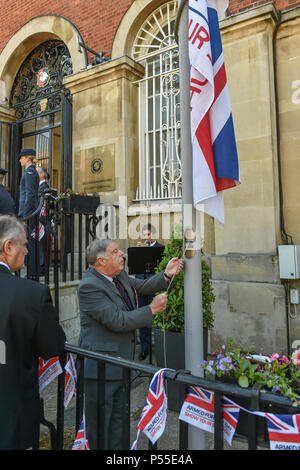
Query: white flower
(296,357)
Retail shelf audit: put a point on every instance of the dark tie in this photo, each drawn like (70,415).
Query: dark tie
(123,293)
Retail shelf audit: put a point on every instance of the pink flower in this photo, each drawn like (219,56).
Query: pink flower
(274,356)
(284,359)
(296,357)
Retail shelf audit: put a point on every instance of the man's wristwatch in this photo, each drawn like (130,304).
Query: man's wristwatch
(167,276)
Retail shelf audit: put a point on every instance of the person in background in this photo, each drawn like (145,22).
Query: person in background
(43,187)
(29,184)
(7,204)
(149,237)
(29,201)
(43,176)
(28,330)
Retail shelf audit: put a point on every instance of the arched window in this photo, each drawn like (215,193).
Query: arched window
(159,114)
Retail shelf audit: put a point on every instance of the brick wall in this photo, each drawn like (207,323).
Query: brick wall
(236,6)
(96,20)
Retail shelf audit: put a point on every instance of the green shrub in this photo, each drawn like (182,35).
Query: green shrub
(172,318)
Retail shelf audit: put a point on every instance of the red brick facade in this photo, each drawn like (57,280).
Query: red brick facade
(236,6)
(96,20)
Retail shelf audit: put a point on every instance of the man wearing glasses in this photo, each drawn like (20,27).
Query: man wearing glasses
(109,317)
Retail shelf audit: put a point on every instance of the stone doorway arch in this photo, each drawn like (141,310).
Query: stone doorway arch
(33,33)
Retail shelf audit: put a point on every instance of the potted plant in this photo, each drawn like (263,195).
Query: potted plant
(169,325)
(80,203)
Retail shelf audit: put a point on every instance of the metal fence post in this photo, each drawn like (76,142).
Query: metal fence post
(218,435)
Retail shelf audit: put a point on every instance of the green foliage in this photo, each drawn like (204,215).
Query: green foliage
(173,317)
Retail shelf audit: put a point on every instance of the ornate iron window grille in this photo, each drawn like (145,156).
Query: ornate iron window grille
(159,107)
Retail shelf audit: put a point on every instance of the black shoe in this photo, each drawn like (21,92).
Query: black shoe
(143,355)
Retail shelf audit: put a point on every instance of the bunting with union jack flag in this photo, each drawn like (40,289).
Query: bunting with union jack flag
(198,409)
(41,226)
(81,442)
(154,415)
(70,380)
(48,371)
(284,431)
(231,413)
(215,159)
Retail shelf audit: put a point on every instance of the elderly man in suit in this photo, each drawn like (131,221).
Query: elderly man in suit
(7,204)
(43,184)
(109,317)
(29,330)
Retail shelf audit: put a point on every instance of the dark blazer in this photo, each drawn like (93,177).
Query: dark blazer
(7,204)
(29,330)
(29,187)
(42,187)
(106,323)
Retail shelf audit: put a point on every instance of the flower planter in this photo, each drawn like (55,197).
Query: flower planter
(76,203)
(173,359)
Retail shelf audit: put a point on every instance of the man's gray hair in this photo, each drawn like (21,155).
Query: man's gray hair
(43,171)
(10,229)
(97,248)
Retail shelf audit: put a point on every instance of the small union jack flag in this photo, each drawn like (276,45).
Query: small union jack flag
(231,413)
(70,380)
(81,442)
(41,232)
(41,226)
(48,371)
(201,397)
(154,415)
(198,410)
(284,431)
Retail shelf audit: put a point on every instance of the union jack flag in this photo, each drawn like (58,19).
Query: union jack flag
(201,397)
(70,380)
(198,410)
(153,417)
(81,441)
(215,160)
(48,371)
(284,431)
(41,226)
(231,413)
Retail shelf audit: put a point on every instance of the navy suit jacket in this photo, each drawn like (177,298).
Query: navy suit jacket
(7,204)
(29,187)
(29,330)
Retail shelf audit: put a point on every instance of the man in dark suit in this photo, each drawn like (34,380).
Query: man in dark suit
(109,317)
(7,204)
(43,183)
(149,237)
(29,330)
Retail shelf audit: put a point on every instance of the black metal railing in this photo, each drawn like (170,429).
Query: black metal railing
(258,399)
(63,235)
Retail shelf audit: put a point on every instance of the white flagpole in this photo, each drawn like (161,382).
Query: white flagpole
(192,270)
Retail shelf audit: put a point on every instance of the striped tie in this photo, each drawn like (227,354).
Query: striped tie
(123,293)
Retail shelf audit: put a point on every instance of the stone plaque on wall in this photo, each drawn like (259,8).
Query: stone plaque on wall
(95,169)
